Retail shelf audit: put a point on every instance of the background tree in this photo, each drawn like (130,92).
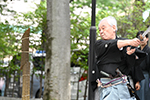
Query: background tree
(57,66)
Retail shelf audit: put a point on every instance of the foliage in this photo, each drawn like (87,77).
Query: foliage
(36,22)
(7,42)
(128,15)
(80,25)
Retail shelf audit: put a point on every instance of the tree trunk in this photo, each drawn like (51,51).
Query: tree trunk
(41,76)
(25,66)
(57,62)
(86,86)
(32,82)
(13,83)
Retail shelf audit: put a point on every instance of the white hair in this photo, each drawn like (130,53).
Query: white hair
(111,21)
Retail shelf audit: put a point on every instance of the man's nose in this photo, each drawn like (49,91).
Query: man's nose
(101,31)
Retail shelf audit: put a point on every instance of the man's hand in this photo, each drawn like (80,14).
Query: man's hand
(135,42)
(130,51)
(137,86)
(98,83)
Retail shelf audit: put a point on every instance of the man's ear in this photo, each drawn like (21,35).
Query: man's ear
(147,39)
(114,27)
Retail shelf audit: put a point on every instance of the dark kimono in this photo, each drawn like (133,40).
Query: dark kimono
(144,92)
(109,58)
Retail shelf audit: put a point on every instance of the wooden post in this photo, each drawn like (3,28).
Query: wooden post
(25,66)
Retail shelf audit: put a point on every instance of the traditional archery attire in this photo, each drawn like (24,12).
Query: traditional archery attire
(109,58)
(144,92)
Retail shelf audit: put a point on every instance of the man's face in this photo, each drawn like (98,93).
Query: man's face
(144,42)
(107,32)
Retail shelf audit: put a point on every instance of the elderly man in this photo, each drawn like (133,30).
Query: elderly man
(115,61)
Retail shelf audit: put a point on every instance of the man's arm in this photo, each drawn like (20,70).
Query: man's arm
(133,42)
